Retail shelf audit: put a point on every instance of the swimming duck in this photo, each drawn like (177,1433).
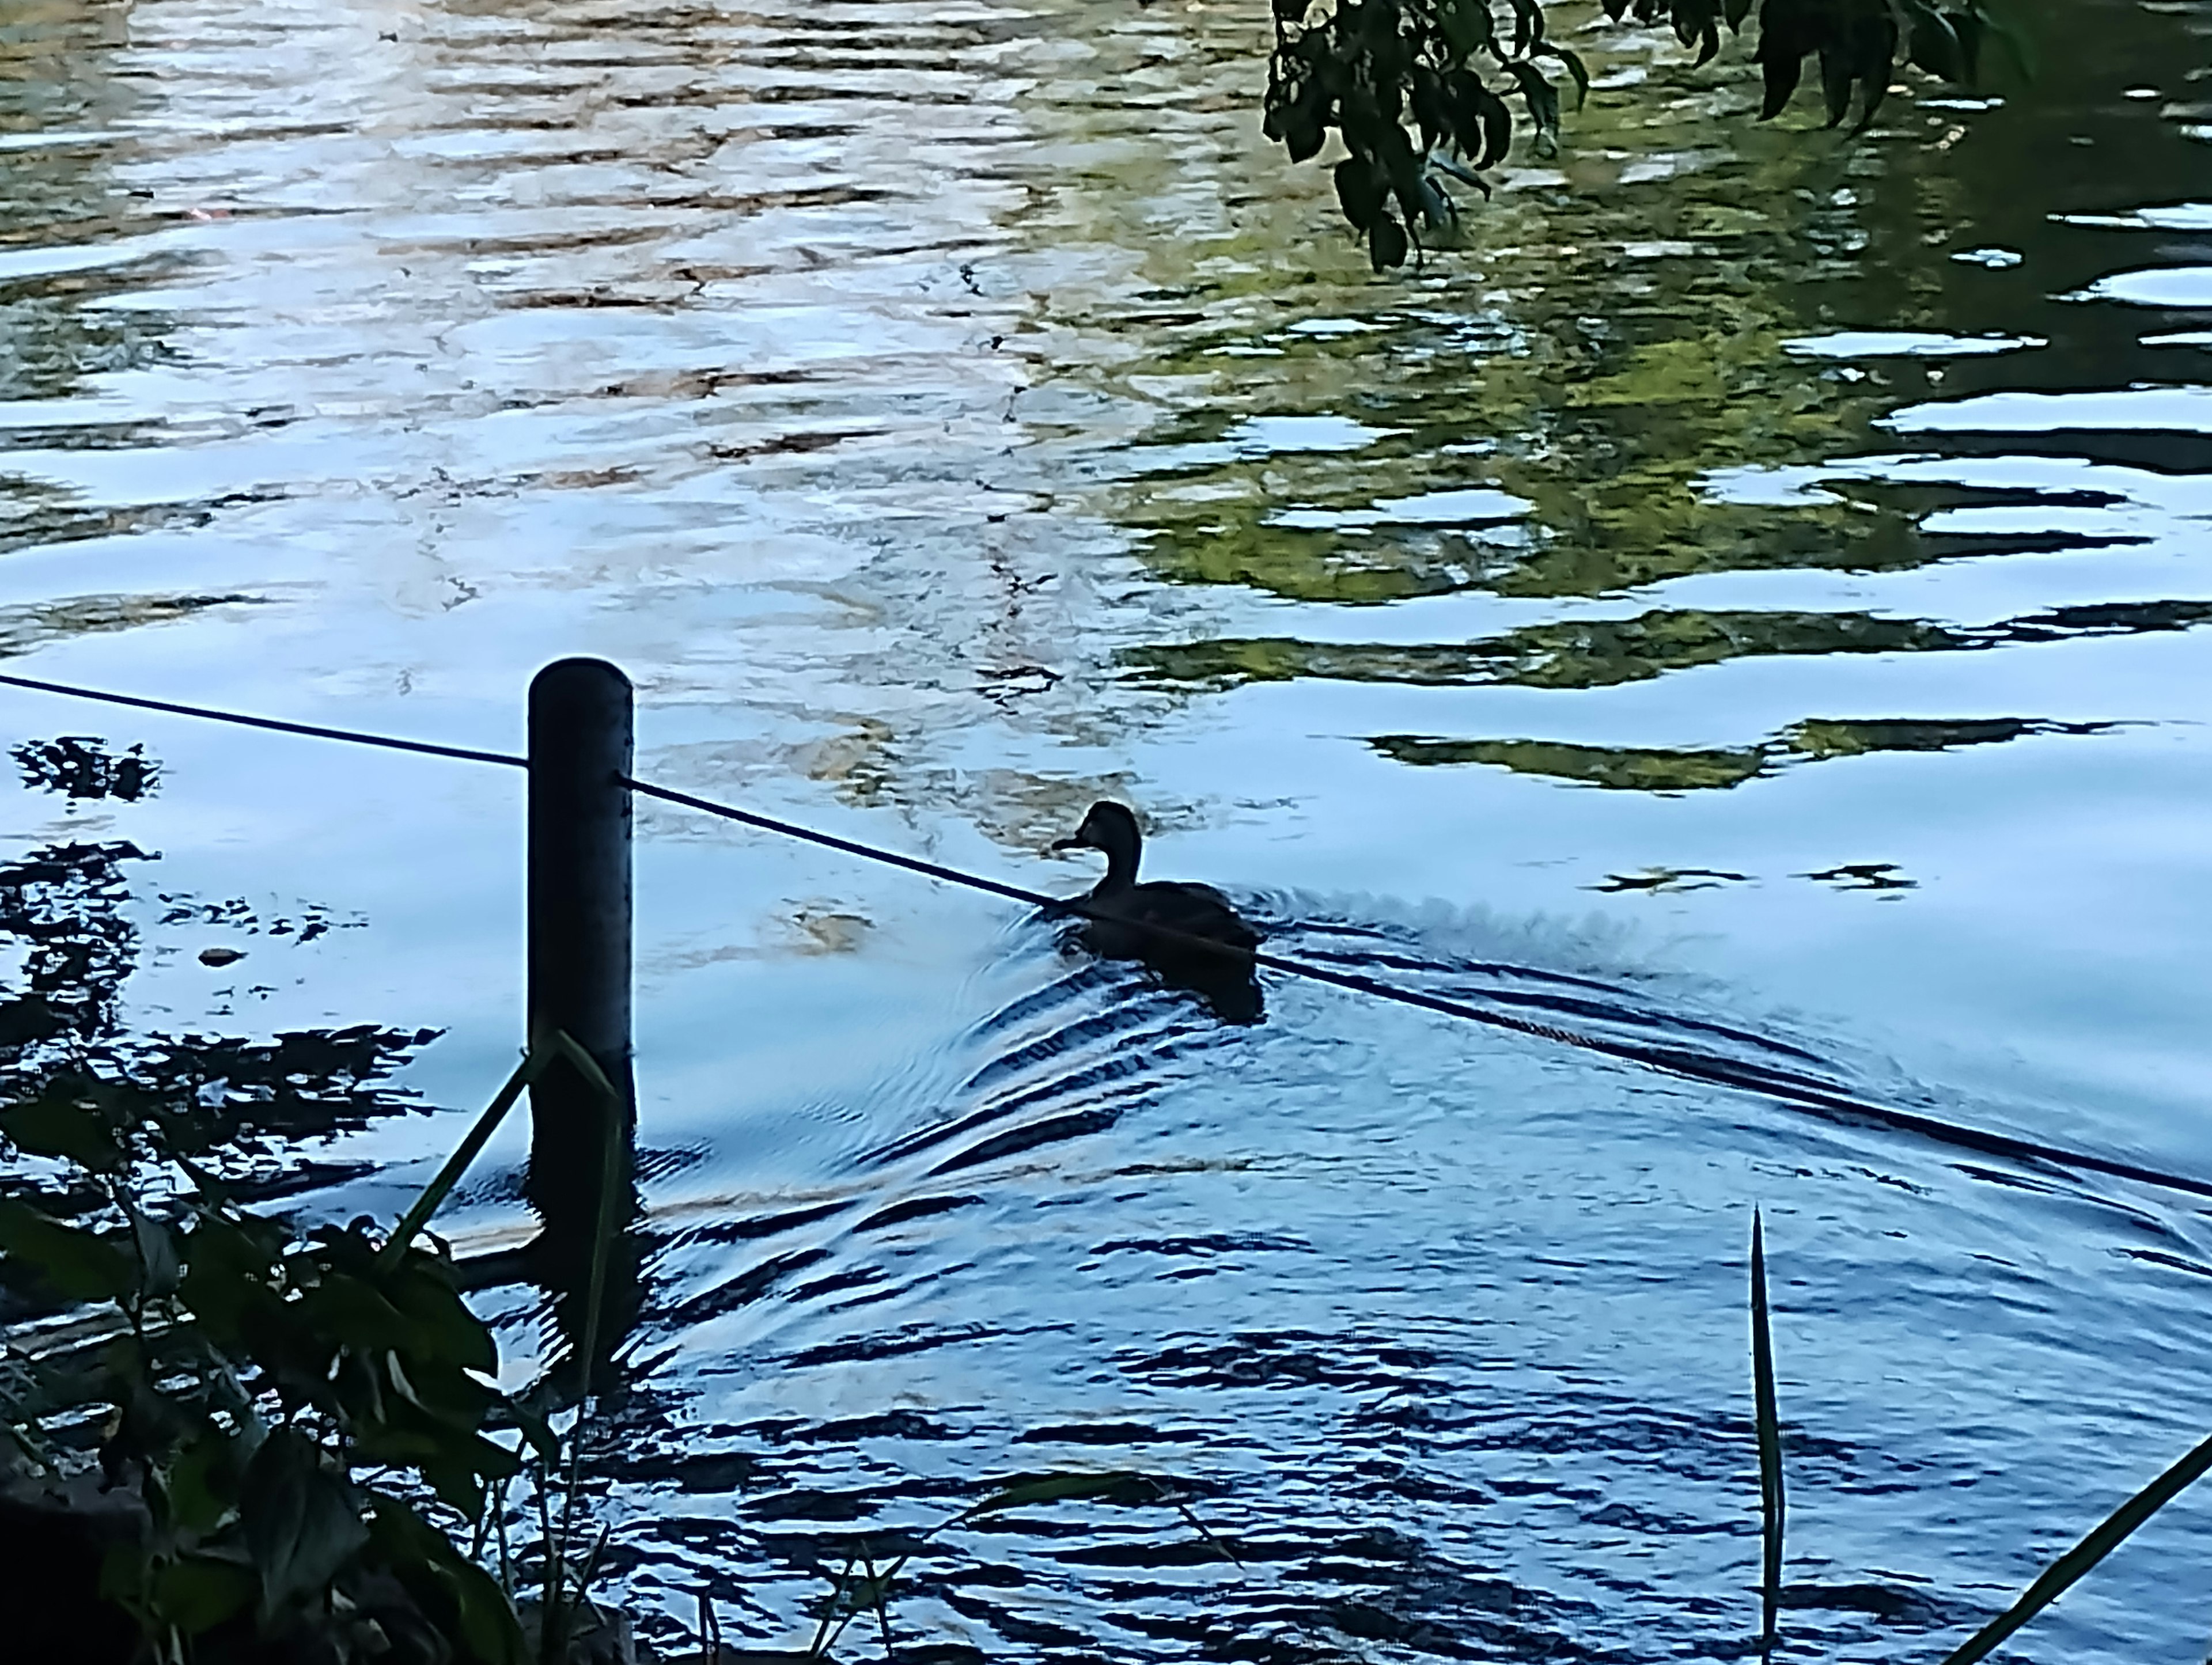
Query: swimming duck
(1216,964)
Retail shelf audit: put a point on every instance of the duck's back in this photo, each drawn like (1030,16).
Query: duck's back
(1188,910)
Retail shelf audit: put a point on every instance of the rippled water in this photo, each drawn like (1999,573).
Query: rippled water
(1753,593)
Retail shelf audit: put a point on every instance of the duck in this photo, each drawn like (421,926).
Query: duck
(1190,934)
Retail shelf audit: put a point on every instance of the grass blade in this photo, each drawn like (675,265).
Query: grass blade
(2064,1572)
(1203,1531)
(880,1588)
(1053,1488)
(464,1153)
(1772,1503)
(825,1638)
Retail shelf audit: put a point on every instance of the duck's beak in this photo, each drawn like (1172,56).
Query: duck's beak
(1078,843)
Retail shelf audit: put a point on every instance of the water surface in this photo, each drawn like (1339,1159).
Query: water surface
(1755,584)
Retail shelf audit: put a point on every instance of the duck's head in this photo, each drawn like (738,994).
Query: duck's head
(1113,829)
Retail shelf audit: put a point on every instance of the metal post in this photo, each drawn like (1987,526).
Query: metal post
(580,747)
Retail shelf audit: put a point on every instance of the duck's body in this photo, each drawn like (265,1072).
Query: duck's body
(1191,934)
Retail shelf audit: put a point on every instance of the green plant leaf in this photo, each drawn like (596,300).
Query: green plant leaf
(228,1267)
(202,1482)
(349,1312)
(65,1128)
(1527,26)
(488,1624)
(2063,1574)
(438,1576)
(301,1520)
(79,1265)
(196,1593)
(1497,128)
(2018,45)
(1578,71)
(1358,190)
(535,1429)
(1056,1488)
(1933,45)
(1543,99)
(1387,242)
(1468,27)
(445,1331)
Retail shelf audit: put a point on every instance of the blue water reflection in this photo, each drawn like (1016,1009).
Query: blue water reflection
(1752,593)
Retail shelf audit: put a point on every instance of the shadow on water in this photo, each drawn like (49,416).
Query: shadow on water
(1103,1227)
(260,1109)
(70,912)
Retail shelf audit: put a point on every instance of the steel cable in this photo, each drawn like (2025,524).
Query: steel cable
(1806,1096)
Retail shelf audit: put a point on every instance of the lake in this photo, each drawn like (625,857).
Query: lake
(1751,592)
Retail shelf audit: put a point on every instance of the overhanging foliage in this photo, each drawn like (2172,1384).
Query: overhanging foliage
(1419,88)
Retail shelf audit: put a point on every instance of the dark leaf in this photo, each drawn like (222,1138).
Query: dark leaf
(1767,1422)
(1967,30)
(487,1624)
(1387,243)
(1302,136)
(1497,129)
(1874,58)
(1358,191)
(446,1330)
(1931,44)
(1404,168)
(1780,75)
(227,1268)
(1543,99)
(1468,27)
(1527,26)
(535,1428)
(1788,30)
(1059,1488)
(78,1265)
(64,1127)
(1838,76)
(439,1578)
(201,1483)
(1430,112)
(1578,71)
(346,1311)
(199,1592)
(1697,20)
(2017,44)
(1734,11)
(302,1522)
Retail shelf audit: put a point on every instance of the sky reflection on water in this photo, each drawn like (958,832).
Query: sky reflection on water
(1760,574)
